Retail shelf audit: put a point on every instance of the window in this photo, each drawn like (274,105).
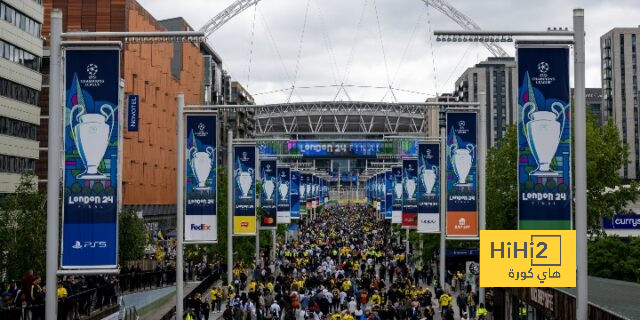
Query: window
(17,128)
(20,20)
(11,164)
(18,92)
(20,56)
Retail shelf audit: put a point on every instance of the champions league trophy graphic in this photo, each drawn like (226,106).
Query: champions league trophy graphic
(91,134)
(302,190)
(428,178)
(283,188)
(461,159)
(268,185)
(244,179)
(201,164)
(398,189)
(410,186)
(543,132)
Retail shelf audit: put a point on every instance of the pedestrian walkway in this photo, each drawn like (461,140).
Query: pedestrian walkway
(167,303)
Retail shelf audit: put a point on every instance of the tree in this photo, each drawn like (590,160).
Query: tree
(605,156)
(502,190)
(23,230)
(132,237)
(611,257)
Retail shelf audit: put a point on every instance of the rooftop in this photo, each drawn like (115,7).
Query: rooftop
(615,296)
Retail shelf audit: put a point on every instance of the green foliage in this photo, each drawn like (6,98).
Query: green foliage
(23,230)
(605,156)
(502,190)
(615,258)
(132,238)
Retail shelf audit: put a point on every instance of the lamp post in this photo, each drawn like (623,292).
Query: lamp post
(579,131)
(54,152)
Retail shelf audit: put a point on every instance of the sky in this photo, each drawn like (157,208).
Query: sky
(371,45)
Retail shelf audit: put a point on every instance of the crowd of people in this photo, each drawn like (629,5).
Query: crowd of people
(343,265)
(77,295)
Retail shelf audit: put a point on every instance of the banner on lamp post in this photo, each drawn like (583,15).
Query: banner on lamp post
(269,181)
(462,178)
(295,195)
(410,195)
(283,194)
(544,138)
(396,212)
(305,191)
(429,188)
(91,143)
(201,219)
(388,181)
(244,190)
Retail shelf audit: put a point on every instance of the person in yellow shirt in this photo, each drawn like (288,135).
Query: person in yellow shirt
(376,299)
(336,316)
(346,285)
(61,291)
(482,312)
(348,316)
(252,286)
(270,286)
(445,299)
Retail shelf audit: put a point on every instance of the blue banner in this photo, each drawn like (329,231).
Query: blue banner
(132,113)
(622,222)
(295,195)
(305,192)
(388,187)
(201,184)
(462,179)
(396,212)
(315,185)
(410,194)
(244,190)
(429,188)
(268,199)
(544,139)
(382,195)
(90,194)
(283,194)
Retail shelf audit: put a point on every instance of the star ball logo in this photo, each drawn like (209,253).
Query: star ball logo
(92,70)
(244,156)
(201,132)
(543,67)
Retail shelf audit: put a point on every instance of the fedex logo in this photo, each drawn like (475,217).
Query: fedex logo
(200,227)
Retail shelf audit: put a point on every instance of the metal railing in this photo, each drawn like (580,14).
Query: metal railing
(82,304)
(201,289)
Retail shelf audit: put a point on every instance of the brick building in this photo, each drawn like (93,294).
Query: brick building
(156,72)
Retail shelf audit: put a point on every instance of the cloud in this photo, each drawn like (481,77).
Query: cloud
(334,33)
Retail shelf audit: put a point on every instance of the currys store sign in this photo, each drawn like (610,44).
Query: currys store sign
(622,222)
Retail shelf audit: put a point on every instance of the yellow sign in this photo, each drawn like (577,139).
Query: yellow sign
(244,225)
(527,258)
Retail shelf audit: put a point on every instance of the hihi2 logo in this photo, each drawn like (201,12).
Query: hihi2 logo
(528,258)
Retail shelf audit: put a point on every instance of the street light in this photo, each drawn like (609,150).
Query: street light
(577,35)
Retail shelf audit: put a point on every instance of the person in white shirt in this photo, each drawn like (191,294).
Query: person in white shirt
(352,305)
(275,310)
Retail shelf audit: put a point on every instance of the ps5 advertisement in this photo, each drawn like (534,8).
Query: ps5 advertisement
(90,181)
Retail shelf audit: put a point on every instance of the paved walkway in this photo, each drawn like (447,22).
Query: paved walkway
(165,308)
